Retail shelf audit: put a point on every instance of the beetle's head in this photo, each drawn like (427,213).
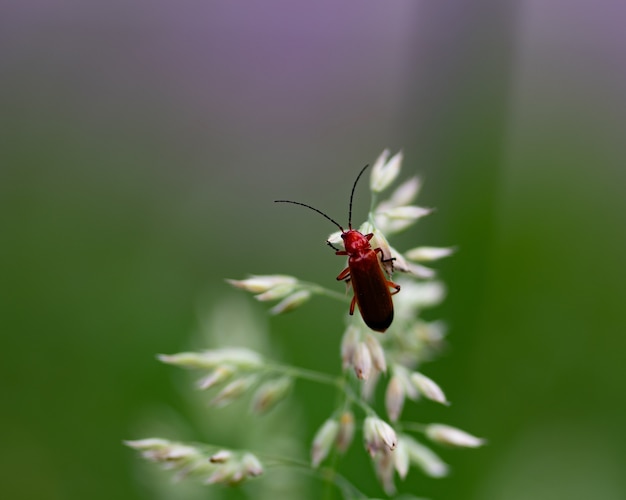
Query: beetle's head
(355,242)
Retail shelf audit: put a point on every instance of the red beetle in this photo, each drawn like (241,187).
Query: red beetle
(364,272)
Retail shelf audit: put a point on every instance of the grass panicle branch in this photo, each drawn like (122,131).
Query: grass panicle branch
(396,358)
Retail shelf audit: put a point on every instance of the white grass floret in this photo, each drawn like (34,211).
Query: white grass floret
(446,434)
(428,387)
(385,171)
(428,254)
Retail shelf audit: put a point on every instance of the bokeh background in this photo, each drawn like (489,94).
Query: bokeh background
(143,142)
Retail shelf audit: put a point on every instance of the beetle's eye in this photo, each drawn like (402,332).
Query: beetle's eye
(343,236)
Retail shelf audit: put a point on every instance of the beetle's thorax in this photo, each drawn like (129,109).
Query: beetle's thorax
(355,242)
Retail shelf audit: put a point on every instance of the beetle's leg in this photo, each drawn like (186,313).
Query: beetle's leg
(384,261)
(369,236)
(382,255)
(343,275)
(352,304)
(391,284)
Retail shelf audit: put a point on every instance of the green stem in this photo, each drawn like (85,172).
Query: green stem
(411,426)
(328,475)
(303,373)
(340,382)
(341,401)
(358,401)
(320,290)
(373,200)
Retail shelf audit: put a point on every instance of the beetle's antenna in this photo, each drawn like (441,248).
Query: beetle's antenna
(314,209)
(352,195)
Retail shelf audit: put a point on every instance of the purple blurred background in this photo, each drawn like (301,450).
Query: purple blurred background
(143,142)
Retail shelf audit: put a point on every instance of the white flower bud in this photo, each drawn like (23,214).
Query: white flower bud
(252,465)
(232,471)
(419,295)
(147,444)
(452,436)
(228,473)
(405,193)
(431,333)
(378,435)
(368,387)
(349,343)
(379,241)
(371,440)
(424,457)
(236,356)
(401,458)
(335,239)
(178,452)
(376,352)
(394,398)
(395,219)
(224,466)
(291,302)
(346,431)
(384,466)
(269,394)
(216,377)
(387,434)
(232,391)
(259,284)
(384,171)
(403,375)
(428,388)
(427,254)
(275,293)
(362,361)
(402,196)
(221,457)
(323,441)
(170,453)
(423,272)
(401,264)
(408,212)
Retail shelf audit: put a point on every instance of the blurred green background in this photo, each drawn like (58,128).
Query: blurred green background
(142,144)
